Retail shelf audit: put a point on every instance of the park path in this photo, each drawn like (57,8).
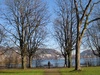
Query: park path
(52,72)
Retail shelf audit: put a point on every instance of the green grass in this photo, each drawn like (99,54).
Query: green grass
(63,71)
(85,71)
(22,72)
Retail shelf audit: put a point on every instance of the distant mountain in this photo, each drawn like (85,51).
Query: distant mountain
(46,53)
(42,53)
(87,53)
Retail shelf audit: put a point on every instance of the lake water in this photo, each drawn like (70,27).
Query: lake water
(60,62)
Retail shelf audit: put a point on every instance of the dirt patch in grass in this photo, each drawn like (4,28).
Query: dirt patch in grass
(52,72)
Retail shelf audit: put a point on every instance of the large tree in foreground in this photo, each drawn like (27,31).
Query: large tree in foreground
(23,17)
(83,10)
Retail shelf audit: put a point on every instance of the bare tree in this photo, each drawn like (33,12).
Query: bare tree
(21,16)
(94,40)
(94,36)
(83,13)
(64,28)
(35,42)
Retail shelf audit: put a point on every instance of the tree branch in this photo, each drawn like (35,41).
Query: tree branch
(93,20)
(77,11)
(84,13)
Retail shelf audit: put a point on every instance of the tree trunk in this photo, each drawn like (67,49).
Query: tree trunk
(24,57)
(69,60)
(25,62)
(77,58)
(78,42)
(29,62)
(22,66)
(65,65)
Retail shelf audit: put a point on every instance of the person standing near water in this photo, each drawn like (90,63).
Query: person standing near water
(49,64)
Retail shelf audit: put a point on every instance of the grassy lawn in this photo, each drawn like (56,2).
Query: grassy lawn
(22,72)
(85,71)
(58,71)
